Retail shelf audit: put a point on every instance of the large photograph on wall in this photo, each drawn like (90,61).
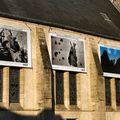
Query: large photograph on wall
(15,47)
(67,53)
(110,61)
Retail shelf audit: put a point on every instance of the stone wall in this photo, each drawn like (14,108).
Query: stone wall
(116,3)
(36,87)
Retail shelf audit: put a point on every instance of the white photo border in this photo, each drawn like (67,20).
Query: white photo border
(107,74)
(18,64)
(67,68)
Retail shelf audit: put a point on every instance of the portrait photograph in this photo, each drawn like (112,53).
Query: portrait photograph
(67,53)
(15,49)
(110,61)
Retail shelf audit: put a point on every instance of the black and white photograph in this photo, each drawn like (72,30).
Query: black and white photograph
(67,53)
(110,61)
(15,47)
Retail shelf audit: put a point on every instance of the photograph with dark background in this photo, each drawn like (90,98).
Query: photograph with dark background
(13,45)
(110,59)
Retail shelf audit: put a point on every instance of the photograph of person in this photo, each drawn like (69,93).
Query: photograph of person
(13,47)
(67,53)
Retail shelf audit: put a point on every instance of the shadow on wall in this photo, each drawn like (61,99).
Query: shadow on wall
(97,61)
(46,114)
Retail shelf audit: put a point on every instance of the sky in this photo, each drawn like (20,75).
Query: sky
(113,53)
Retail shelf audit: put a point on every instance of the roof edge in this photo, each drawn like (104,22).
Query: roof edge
(56,25)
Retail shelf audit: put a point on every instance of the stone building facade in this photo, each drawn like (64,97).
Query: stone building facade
(40,92)
(116,3)
(37,85)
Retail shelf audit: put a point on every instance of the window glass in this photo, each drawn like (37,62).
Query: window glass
(71,119)
(72,88)
(14,87)
(117,91)
(59,87)
(1,83)
(107,91)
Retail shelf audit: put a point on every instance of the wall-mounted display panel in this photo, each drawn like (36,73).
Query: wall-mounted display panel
(15,47)
(110,60)
(67,53)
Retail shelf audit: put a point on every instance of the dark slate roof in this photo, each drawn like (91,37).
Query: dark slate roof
(96,17)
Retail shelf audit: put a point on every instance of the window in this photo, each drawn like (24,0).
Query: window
(14,85)
(117,81)
(70,119)
(1,83)
(72,88)
(107,91)
(59,88)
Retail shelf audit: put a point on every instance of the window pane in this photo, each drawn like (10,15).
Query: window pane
(118,91)
(1,83)
(14,85)
(71,119)
(59,88)
(107,91)
(72,88)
